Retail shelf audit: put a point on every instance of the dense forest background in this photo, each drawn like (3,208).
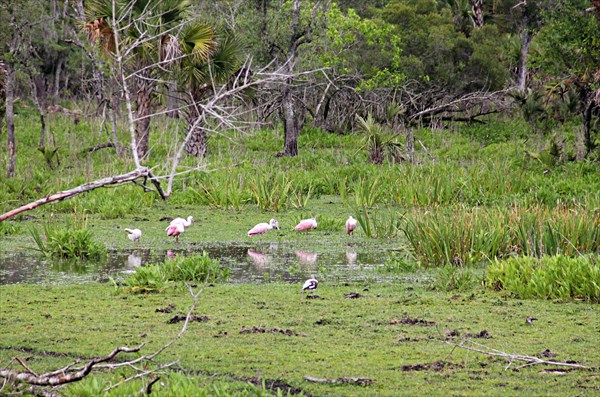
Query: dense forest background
(338,66)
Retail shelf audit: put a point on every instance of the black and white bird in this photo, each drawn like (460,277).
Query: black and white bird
(134,234)
(310,284)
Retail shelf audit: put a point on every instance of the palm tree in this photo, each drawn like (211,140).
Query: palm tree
(152,35)
(197,76)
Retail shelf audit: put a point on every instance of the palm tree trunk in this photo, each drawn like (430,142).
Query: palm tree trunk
(477,8)
(198,142)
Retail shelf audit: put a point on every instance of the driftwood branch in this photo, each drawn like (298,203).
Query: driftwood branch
(511,357)
(69,374)
(65,194)
(56,379)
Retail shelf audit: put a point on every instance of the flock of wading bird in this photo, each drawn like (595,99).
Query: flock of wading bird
(178,225)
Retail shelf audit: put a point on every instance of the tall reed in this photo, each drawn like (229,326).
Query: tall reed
(466,235)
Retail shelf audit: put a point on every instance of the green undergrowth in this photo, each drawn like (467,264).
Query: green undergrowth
(191,269)
(394,334)
(71,240)
(549,277)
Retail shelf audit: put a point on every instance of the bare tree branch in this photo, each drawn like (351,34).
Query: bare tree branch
(512,357)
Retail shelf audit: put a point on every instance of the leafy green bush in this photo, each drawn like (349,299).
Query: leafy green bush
(550,277)
(195,268)
(71,241)
(452,278)
(396,263)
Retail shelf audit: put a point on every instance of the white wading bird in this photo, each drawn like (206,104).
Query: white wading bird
(310,284)
(134,234)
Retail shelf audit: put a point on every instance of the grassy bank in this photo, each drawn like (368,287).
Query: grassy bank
(393,334)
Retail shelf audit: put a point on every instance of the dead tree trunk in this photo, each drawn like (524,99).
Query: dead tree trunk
(522,67)
(291,128)
(40,96)
(142,125)
(10,118)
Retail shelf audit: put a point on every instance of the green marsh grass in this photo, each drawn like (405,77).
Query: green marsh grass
(68,241)
(549,277)
(199,268)
(462,235)
(271,191)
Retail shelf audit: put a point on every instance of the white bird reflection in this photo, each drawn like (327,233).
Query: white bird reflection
(133,261)
(351,257)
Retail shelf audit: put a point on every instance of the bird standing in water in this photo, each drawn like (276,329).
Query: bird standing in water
(306,224)
(351,225)
(262,228)
(310,284)
(134,234)
(177,226)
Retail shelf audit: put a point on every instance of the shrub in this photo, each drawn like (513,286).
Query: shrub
(396,263)
(549,277)
(452,278)
(72,241)
(195,268)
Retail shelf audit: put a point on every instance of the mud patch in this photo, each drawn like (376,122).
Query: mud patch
(353,295)
(167,309)
(412,321)
(261,330)
(484,334)
(409,339)
(433,366)
(193,318)
(547,353)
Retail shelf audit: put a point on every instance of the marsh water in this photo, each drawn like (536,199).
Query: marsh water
(247,262)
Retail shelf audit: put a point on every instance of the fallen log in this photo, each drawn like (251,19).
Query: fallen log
(142,172)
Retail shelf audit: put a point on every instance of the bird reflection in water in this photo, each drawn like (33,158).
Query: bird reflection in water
(259,259)
(306,258)
(351,257)
(170,254)
(133,261)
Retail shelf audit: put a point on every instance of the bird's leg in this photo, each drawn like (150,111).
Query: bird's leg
(177,239)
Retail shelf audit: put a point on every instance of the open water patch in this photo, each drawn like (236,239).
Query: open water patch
(248,262)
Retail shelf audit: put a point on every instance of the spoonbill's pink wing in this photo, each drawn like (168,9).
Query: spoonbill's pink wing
(261,228)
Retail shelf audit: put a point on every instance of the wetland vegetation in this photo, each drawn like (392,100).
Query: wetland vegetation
(462,136)
(445,236)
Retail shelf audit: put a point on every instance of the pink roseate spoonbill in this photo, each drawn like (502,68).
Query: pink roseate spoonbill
(186,222)
(174,230)
(351,225)
(262,228)
(306,224)
(134,234)
(311,285)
